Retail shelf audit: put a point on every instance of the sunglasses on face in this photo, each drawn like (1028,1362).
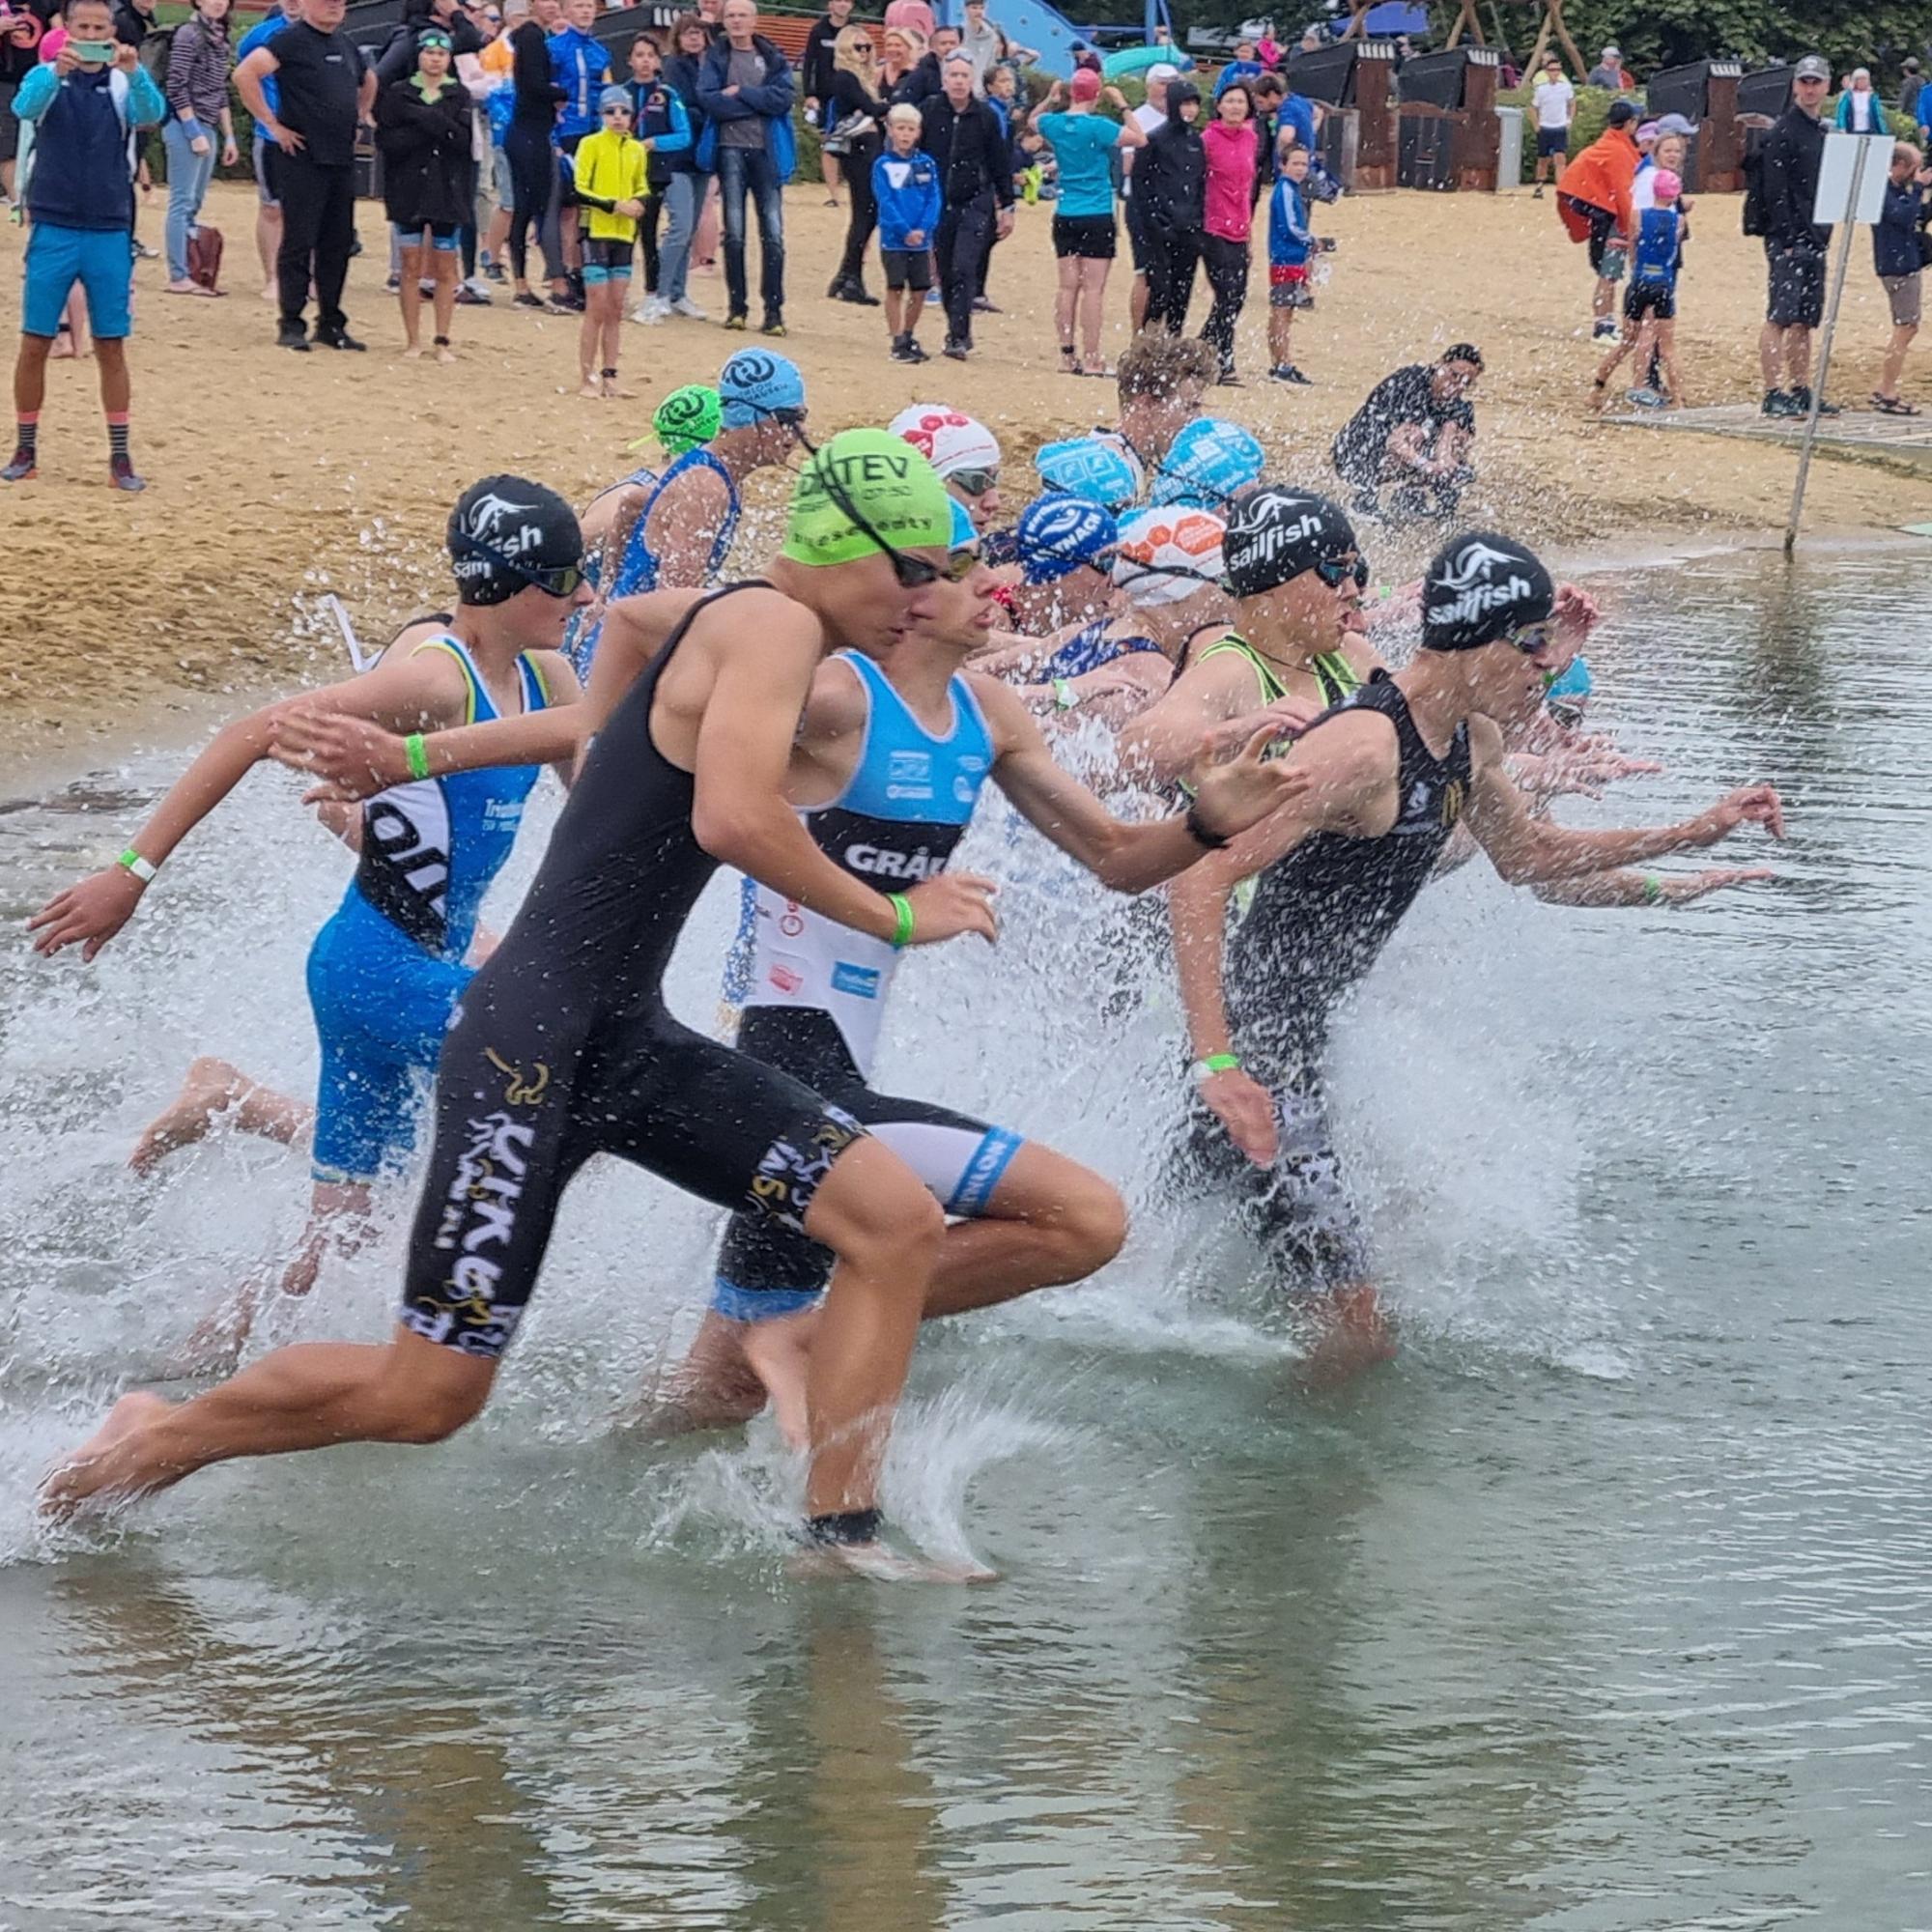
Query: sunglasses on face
(975,482)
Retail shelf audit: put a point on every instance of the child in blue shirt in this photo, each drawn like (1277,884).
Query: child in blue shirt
(905,183)
(1650,302)
(1290,245)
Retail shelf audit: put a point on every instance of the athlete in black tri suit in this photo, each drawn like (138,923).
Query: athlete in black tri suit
(1393,770)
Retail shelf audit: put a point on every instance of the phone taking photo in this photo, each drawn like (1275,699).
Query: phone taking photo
(95,53)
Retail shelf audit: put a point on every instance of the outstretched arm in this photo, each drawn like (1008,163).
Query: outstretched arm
(413,694)
(1527,850)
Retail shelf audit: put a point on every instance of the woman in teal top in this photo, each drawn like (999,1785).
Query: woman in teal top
(1084,144)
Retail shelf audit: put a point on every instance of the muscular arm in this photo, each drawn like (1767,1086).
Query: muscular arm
(248,80)
(1215,703)
(682,525)
(1528,850)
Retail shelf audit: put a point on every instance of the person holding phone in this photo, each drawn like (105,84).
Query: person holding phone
(85,110)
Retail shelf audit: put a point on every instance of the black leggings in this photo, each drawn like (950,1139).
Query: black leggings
(533,190)
(647,235)
(864,219)
(1170,256)
(1227,265)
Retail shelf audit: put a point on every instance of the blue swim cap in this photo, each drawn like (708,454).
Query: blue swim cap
(1574,683)
(1097,468)
(964,535)
(1059,533)
(756,385)
(1206,464)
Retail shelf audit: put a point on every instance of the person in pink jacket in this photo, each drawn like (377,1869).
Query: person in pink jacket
(1228,215)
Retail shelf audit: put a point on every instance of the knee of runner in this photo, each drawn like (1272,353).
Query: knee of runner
(1093,1222)
(422,1416)
(888,1224)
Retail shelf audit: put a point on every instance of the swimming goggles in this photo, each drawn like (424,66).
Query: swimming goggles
(560,580)
(975,482)
(1336,571)
(1529,638)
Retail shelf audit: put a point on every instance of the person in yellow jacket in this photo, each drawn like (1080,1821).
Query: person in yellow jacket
(609,189)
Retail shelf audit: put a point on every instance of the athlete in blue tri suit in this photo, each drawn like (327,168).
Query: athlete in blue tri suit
(674,530)
(386,969)
(890,761)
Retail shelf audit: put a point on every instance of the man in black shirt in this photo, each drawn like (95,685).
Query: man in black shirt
(22,22)
(1416,430)
(1794,244)
(963,134)
(325,88)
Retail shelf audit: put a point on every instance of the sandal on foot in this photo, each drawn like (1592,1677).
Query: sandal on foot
(1892,405)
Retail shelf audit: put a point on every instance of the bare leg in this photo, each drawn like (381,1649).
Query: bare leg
(213,1087)
(1666,355)
(268,245)
(1895,359)
(871,1212)
(408,299)
(1066,304)
(1771,354)
(778,1354)
(589,340)
(312,1396)
(1602,299)
(1352,1334)
(1092,301)
(445,263)
(1797,357)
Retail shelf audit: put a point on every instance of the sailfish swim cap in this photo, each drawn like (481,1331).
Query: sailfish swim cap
(755,386)
(688,419)
(1275,532)
(887,483)
(507,533)
(1478,587)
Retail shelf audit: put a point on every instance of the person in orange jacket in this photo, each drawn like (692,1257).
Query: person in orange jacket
(1593,201)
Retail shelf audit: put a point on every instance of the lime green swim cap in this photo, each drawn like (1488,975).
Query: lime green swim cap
(688,417)
(888,482)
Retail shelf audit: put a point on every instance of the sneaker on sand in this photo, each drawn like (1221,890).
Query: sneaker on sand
(688,310)
(653,310)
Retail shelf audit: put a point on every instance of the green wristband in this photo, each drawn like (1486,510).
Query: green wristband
(1212,1063)
(902,910)
(418,756)
(1653,889)
(1064,696)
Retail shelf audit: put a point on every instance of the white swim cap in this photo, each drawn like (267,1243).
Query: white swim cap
(948,439)
(1167,555)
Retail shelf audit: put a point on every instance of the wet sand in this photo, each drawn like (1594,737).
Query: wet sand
(274,477)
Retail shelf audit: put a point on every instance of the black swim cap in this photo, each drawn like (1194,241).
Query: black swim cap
(1275,532)
(507,533)
(1479,587)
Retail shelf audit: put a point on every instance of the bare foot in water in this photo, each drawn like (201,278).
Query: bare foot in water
(95,1469)
(713,1387)
(211,1087)
(1352,1334)
(880,1563)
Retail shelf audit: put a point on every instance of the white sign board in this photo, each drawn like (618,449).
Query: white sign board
(1850,179)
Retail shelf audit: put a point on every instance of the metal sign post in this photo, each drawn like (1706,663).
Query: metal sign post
(1851,191)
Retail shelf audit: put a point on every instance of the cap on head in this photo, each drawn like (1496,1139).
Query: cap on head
(1167,555)
(1813,67)
(1057,533)
(1275,532)
(1646,133)
(948,439)
(756,385)
(501,523)
(614,97)
(1675,123)
(1611,53)
(1477,587)
(688,417)
(1161,72)
(1667,186)
(434,36)
(965,533)
(1101,469)
(893,488)
(1207,461)
(1085,85)
(1622,113)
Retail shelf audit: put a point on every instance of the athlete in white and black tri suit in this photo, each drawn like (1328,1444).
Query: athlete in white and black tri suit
(1393,770)
(891,758)
(563,1046)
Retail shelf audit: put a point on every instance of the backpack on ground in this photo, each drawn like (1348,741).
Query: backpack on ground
(204,258)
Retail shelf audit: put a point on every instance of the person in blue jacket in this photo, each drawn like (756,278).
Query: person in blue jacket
(579,65)
(1289,244)
(1897,254)
(905,183)
(745,88)
(76,181)
(658,120)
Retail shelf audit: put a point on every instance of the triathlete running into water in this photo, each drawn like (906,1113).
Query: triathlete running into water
(886,774)
(564,1047)
(386,969)
(1393,771)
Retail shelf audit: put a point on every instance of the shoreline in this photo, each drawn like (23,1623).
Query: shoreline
(275,477)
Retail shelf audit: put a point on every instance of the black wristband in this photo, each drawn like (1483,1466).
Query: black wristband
(846,1526)
(1201,834)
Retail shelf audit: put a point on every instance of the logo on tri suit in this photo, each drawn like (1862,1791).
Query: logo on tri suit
(1455,795)
(788,1177)
(479,1218)
(909,774)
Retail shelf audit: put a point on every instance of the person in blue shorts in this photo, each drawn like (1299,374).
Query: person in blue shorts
(385,972)
(82,117)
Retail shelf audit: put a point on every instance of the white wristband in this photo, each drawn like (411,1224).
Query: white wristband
(144,869)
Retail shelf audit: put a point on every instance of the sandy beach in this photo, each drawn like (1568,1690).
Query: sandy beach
(274,477)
